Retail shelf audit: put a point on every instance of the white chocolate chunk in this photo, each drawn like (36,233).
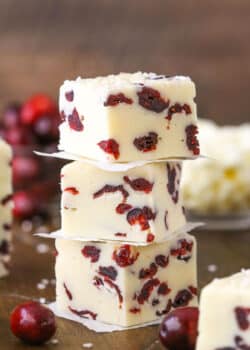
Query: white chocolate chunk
(123,284)
(5,206)
(128,117)
(224,321)
(140,205)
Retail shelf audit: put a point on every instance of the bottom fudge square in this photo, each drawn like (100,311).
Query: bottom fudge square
(225,314)
(123,284)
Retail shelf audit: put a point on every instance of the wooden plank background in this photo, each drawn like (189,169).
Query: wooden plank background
(43,42)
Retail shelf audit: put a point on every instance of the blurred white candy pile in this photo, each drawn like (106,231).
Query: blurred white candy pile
(220,185)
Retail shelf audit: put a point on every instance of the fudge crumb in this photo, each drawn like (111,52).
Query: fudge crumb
(87,345)
(212,268)
(42,248)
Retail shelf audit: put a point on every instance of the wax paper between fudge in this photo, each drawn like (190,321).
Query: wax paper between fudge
(60,235)
(109,166)
(97,326)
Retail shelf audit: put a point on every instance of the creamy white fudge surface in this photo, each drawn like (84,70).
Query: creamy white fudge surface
(224,322)
(221,184)
(140,205)
(5,206)
(127,117)
(123,284)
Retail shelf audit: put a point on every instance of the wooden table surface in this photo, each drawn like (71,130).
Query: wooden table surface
(229,251)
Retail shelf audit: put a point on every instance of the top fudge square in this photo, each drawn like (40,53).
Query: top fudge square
(129,117)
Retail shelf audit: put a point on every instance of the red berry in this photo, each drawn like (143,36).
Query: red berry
(46,128)
(25,205)
(33,323)
(19,136)
(37,106)
(11,116)
(179,329)
(25,169)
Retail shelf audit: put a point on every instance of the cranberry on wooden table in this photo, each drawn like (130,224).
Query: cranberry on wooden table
(33,323)
(179,329)
(25,168)
(25,204)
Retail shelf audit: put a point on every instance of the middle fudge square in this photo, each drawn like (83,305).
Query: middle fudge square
(123,284)
(139,205)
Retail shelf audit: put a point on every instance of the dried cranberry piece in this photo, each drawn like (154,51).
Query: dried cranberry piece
(6,199)
(192,140)
(166,310)
(150,237)
(69,95)
(6,227)
(147,289)
(182,298)
(98,282)
(111,147)
(240,344)
(119,234)
(139,184)
(72,190)
(163,289)
(155,302)
(148,272)
(114,286)
(124,257)
(74,121)
(90,251)
(135,310)
(68,292)
(114,100)
(172,185)
(111,189)
(63,116)
(152,100)
(108,271)
(141,217)
(83,313)
(183,250)
(4,247)
(162,260)
(146,143)
(122,208)
(242,314)
(166,219)
(178,108)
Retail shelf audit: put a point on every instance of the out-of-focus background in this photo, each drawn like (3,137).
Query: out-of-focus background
(44,42)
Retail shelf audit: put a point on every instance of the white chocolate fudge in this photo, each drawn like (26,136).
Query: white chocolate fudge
(123,284)
(126,117)
(140,205)
(5,206)
(224,322)
(221,184)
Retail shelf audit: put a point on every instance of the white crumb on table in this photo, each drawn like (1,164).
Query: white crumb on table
(26,226)
(45,281)
(42,300)
(212,268)
(42,248)
(40,285)
(87,345)
(54,341)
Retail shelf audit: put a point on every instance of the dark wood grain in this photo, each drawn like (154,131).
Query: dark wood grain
(228,250)
(44,42)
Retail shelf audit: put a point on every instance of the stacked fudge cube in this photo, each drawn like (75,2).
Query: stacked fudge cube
(124,257)
(5,206)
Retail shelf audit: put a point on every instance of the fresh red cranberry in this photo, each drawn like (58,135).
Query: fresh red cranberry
(25,169)
(110,146)
(139,184)
(33,323)
(46,128)
(152,100)
(19,136)
(11,116)
(146,143)
(147,290)
(37,106)
(75,122)
(179,329)
(114,100)
(108,271)
(124,257)
(25,205)
(192,140)
(92,252)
